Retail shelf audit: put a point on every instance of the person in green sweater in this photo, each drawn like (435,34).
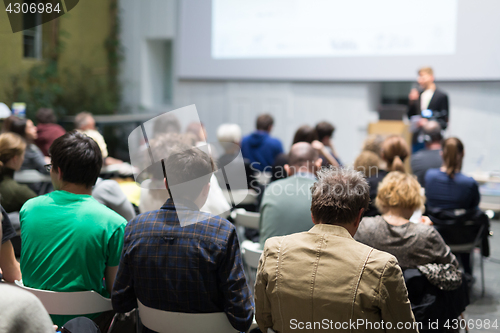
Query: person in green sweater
(13,195)
(286,203)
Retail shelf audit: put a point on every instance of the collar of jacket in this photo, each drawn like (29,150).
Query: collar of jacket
(333,229)
(180,204)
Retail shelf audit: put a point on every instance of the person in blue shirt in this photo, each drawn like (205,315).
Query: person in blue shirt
(259,147)
(449,189)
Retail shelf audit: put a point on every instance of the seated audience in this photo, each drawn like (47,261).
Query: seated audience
(109,193)
(324,273)
(448,188)
(12,194)
(374,143)
(259,147)
(413,244)
(33,158)
(286,203)
(430,157)
(8,264)
(325,131)
(394,151)
(195,266)
(229,136)
(304,133)
(154,194)
(47,129)
(85,123)
(368,163)
(21,311)
(416,245)
(70,241)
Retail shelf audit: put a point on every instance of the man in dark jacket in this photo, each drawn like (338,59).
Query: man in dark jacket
(259,147)
(429,103)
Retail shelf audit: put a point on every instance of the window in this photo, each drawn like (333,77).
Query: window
(32,37)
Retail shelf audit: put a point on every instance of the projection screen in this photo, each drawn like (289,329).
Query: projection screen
(332,40)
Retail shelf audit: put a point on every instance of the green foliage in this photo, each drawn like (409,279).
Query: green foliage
(66,91)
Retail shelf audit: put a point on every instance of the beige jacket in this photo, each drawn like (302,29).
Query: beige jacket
(323,280)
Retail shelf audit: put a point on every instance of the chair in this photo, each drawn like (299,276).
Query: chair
(243,219)
(251,256)
(33,176)
(176,322)
(463,232)
(70,303)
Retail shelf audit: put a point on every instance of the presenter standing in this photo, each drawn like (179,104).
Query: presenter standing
(425,104)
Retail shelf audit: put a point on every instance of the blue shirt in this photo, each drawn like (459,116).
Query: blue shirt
(261,149)
(442,191)
(194,269)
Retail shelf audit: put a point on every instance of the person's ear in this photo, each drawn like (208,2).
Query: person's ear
(318,163)
(59,174)
(312,218)
(288,169)
(358,218)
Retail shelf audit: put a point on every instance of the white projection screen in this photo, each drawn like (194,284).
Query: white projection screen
(333,40)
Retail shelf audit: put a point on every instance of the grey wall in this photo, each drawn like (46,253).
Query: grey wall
(475,113)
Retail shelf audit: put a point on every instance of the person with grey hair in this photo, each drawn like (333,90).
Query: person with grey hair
(322,279)
(285,207)
(85,123)
(430,157)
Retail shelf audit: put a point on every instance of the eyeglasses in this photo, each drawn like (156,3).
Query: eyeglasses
(48,167)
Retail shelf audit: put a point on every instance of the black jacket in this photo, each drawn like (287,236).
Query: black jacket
(438,104)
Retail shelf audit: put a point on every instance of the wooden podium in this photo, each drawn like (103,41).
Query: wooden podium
(391,127)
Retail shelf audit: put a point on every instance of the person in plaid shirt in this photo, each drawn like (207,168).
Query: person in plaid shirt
(180,259)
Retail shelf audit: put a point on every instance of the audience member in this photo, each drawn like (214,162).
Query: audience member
(85,123)
(70,241)
(154,194)
(398,197)
(286,203)
(368,163)
(12,194)
(33,158)
(193,265)
(259,147)
(109,193)
(415,245)
(47,129)
(430,157)
(22,312)
(374,143)
(8,264)
(447,188)
(323,273)
(394,151)
(308,134)
(325,131)
(229,136)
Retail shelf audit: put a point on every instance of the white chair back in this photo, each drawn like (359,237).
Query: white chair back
(30,176)
(247,219)
(251,254)
(70,303)
(177,322)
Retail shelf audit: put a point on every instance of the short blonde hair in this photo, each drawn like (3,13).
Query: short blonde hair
(11,144)
(399,190)
(427,70)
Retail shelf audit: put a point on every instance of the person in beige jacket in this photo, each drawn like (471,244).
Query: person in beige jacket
(323,280)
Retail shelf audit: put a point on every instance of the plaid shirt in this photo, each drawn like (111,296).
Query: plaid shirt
(194,269)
